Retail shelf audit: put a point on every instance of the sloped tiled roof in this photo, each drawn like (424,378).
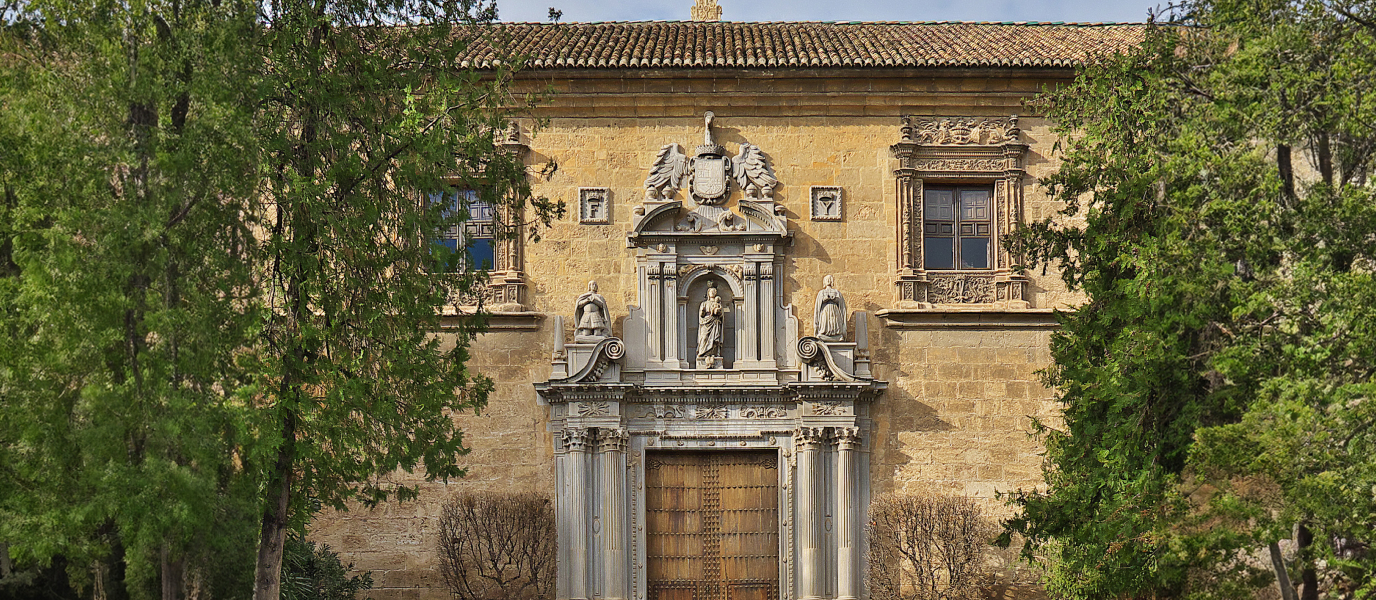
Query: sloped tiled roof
(660,44)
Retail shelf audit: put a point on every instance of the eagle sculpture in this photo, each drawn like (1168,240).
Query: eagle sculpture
(667,174)
(753,172)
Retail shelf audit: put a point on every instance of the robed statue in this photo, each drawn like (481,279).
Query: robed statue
(709,328)
(829,312)
(590,314)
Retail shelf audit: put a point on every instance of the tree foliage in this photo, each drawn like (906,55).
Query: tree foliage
(1216,386)
(216,270)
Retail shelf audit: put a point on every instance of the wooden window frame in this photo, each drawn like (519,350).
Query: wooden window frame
(961,227)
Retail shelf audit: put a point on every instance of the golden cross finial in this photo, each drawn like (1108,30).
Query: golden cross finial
(706,10)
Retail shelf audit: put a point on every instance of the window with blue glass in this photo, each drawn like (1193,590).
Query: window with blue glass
(957,227)
(474,234)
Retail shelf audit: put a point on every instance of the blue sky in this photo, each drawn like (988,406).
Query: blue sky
(1122,11)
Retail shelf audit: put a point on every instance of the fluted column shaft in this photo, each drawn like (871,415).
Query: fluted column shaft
(577,442)
(612,513)
(848,529)
(807,442)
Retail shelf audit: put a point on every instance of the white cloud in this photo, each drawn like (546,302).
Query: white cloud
(1130,11)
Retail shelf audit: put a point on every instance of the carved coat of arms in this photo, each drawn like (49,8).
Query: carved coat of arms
(709,173)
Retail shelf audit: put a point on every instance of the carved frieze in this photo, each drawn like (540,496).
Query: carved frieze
(961,288)
(831,409)
(960,131)
(661,411)
(961,164)
(764,412)
(711,412)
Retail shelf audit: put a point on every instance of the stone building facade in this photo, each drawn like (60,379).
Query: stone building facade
(800,300)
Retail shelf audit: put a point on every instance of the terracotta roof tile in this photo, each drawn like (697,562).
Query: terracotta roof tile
(807,44)
(812,44)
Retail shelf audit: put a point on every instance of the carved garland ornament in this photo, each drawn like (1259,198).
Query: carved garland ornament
(764,412)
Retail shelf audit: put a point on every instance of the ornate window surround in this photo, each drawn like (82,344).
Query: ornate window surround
(959,150)
(504,297)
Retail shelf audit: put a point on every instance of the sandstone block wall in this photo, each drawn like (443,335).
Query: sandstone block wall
(958,410)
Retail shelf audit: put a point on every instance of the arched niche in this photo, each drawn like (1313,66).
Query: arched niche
(733,305)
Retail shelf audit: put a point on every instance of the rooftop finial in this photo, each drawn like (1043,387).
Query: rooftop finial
(706,10)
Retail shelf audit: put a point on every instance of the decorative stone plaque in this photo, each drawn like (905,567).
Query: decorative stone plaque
(594,206)
(826,203)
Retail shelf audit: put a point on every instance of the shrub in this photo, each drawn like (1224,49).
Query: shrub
(311,572)
(927,547)
(498,546)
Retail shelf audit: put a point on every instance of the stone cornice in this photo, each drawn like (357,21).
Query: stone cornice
(497,322)
(937,318)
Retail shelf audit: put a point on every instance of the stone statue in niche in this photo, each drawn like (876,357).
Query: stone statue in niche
(710,334)
(590,312)
(829,313)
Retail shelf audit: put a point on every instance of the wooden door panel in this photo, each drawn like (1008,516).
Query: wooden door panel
(712,525)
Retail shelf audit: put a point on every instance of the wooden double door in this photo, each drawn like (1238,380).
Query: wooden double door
(712,525)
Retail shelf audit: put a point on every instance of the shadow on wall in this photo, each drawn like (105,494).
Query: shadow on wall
(897,411)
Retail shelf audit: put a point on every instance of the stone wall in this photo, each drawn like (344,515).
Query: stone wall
(957,412)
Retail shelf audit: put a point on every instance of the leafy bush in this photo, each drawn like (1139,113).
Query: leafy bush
(311,572)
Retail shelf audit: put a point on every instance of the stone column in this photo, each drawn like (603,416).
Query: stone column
(909,192)
(807,441)
(848,530)
(562,516)
(747,344)
(768,305)
(612,512)
(671,323)
(577,440)
(654,312)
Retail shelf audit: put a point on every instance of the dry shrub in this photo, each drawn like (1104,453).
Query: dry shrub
(498,546)
(927,547)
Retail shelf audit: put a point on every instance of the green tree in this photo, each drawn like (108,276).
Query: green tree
(121,262)
(365,106)
(216,251)
(1216,384)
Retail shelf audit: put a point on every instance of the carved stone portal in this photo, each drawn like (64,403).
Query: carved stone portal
(710,360)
